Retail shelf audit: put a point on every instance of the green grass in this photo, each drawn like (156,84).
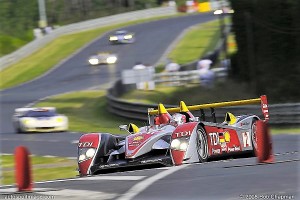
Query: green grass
(43,168)
(191,94)
(285,130)
(87,112)
(50,55)
(196,42)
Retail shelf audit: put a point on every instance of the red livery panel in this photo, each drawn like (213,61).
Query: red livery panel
(91,140)
(222,140)
(184,130)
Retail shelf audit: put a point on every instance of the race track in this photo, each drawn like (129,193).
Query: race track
(152,39)
(222,179)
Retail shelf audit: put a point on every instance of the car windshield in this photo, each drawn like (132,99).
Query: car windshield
(121,32)
(39,113)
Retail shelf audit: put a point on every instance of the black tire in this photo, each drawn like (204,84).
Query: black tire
(18,130)
(202,146)
(253,136)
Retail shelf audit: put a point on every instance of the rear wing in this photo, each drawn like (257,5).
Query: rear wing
(262,100)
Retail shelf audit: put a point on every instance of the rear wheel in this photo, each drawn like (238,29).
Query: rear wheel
(202,146)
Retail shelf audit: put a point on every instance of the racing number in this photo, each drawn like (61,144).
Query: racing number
(246,139)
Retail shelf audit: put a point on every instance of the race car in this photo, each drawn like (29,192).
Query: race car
(121,36)
(174,136)
(103,58)
(43,119)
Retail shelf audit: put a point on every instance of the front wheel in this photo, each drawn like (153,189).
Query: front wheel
(202,146)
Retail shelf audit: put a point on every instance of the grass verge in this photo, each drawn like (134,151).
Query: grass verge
(87,112)
(196,42)
(35,65)
(43,168)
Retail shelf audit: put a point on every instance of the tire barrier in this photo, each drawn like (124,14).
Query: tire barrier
(264,150)
(23,171)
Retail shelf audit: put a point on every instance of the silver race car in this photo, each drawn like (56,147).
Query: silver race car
(102,58)
(174,136)
(122,36)
(44,119)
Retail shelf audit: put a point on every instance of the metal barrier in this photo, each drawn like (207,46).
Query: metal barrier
(186,77)
(280,114)
(33,46)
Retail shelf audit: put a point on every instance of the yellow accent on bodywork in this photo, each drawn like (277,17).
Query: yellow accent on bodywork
(210,105)
(161,109)
(132,128)
(230,118)
(183,107)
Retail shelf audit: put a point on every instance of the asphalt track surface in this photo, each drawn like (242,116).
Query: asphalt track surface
(241,178)
(152,39)
(228,179)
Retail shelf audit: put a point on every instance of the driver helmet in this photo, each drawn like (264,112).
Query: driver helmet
(178,119)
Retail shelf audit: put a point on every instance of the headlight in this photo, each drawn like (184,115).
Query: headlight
(218,12)
(86,153)
(180,144)
(90,153)
(111,60)
(28,122)
(183,146)
(59,119)
(127,37)
(175,144)
(93,61)
(113,38)
(81,158)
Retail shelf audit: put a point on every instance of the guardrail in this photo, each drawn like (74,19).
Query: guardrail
(280,114)
(186,77)
(36,44)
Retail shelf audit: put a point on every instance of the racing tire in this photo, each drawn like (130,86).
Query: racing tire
(253,136)
(18,130)
(202,145)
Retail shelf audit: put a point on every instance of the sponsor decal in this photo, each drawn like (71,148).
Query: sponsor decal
(151,161)
(224,146)
(246,139)
(183,134)
(245,123)
(227,136)
(215,151)
(214,138)
(110,165)
(219,138)
(85,144)
(233,149)
(138,138)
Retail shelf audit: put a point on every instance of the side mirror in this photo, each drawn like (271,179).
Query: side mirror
(123,127)
(195,119)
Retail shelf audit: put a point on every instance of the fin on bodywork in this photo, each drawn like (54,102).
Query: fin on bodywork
(230,118)
(163,116)
(183,107)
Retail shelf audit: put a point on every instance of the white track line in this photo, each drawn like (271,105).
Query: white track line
(141,186)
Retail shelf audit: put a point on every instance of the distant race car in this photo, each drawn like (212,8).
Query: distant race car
(122,36)
(102,58)
(174,136)
(44,119)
